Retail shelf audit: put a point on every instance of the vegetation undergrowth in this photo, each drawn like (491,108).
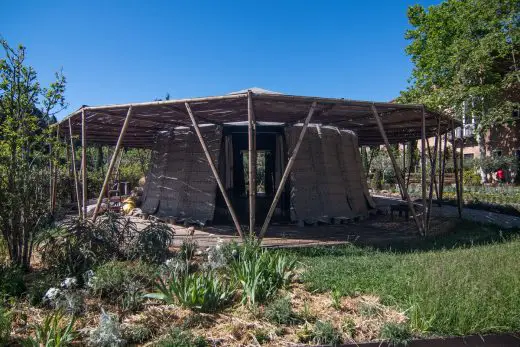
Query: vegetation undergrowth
(463,283)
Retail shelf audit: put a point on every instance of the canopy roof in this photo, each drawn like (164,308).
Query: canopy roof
(402,122)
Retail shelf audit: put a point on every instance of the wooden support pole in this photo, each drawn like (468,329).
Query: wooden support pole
(112,162)
(76,181)
(432,176)
(51,177)
(251,132)
(397,171)
(423,166)
(287,171)
(432,160)
(214,170)
(455,168)
(461,179)
(84,162)
(443,168)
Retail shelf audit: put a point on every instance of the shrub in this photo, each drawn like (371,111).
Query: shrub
(72,248)
(11,280)
(54,331)
(134,334)
(151,244)
(396,334)
(38,288)
(123,282)
(108,332)
(188,248)
(182,338)
(279,311)
(203,292)
(174,267)
(324,333)
(117,232)
(261,274)
(5,325)
(69,301)
(222,254)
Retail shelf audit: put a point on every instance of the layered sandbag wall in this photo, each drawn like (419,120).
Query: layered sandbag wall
(327,179)
(180,184)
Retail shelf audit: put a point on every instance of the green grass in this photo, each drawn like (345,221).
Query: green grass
(467,282)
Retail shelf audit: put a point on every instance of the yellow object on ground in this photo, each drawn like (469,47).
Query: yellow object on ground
(128,205)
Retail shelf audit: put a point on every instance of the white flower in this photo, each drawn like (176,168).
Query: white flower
(51,294)
(69,282)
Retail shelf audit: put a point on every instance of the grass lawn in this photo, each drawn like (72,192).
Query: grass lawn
(467,282)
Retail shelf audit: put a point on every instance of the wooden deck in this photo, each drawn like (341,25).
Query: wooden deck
(378,230)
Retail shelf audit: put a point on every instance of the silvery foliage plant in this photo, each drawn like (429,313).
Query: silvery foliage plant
(67,297)
(218,255)
(107,333)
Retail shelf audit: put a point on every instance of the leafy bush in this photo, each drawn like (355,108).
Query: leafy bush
(203,292)
(280,311)
(54,332)
(123,282)
(5,325)
(11,280)
(260,274)
(221,254)
(182,338)
(134,334)
(108,333)
(151,244)
(324,333)
(67,300)
(73,248)
(188,248)
(471,178)
(396,334)
(117,232)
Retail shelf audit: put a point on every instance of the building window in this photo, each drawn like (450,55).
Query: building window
(497,153)
(469,156)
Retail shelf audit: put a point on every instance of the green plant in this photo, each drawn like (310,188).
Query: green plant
(261,274)
(134,334)
(325,333)
(117,232)
(72,248)
(204,292)
(182,338)
(349,327)
(396,334)
(280,311)
(5,325)
(306,314)
(11,280)
(188,248)
(151,243)
(123,282)
(54,331)
(261,336)
(336,299)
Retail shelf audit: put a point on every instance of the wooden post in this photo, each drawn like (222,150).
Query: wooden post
(461,179)
(112,162)
(51,176)
(432,160)
(287,171)
(76,181)
(443,168)
(214,170)
(84,161)
(432,176)
(397,171)
(423,166)
(251,132)
(455,169)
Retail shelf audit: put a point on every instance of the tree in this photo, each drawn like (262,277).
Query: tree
(465,55)
(26,111)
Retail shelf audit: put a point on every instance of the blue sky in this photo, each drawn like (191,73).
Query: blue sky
(132,51)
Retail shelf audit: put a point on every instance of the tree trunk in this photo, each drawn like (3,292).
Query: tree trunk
(481,140)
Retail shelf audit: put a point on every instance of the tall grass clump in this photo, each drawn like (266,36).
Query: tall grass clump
(204,292)
(54,331)
(260,274)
